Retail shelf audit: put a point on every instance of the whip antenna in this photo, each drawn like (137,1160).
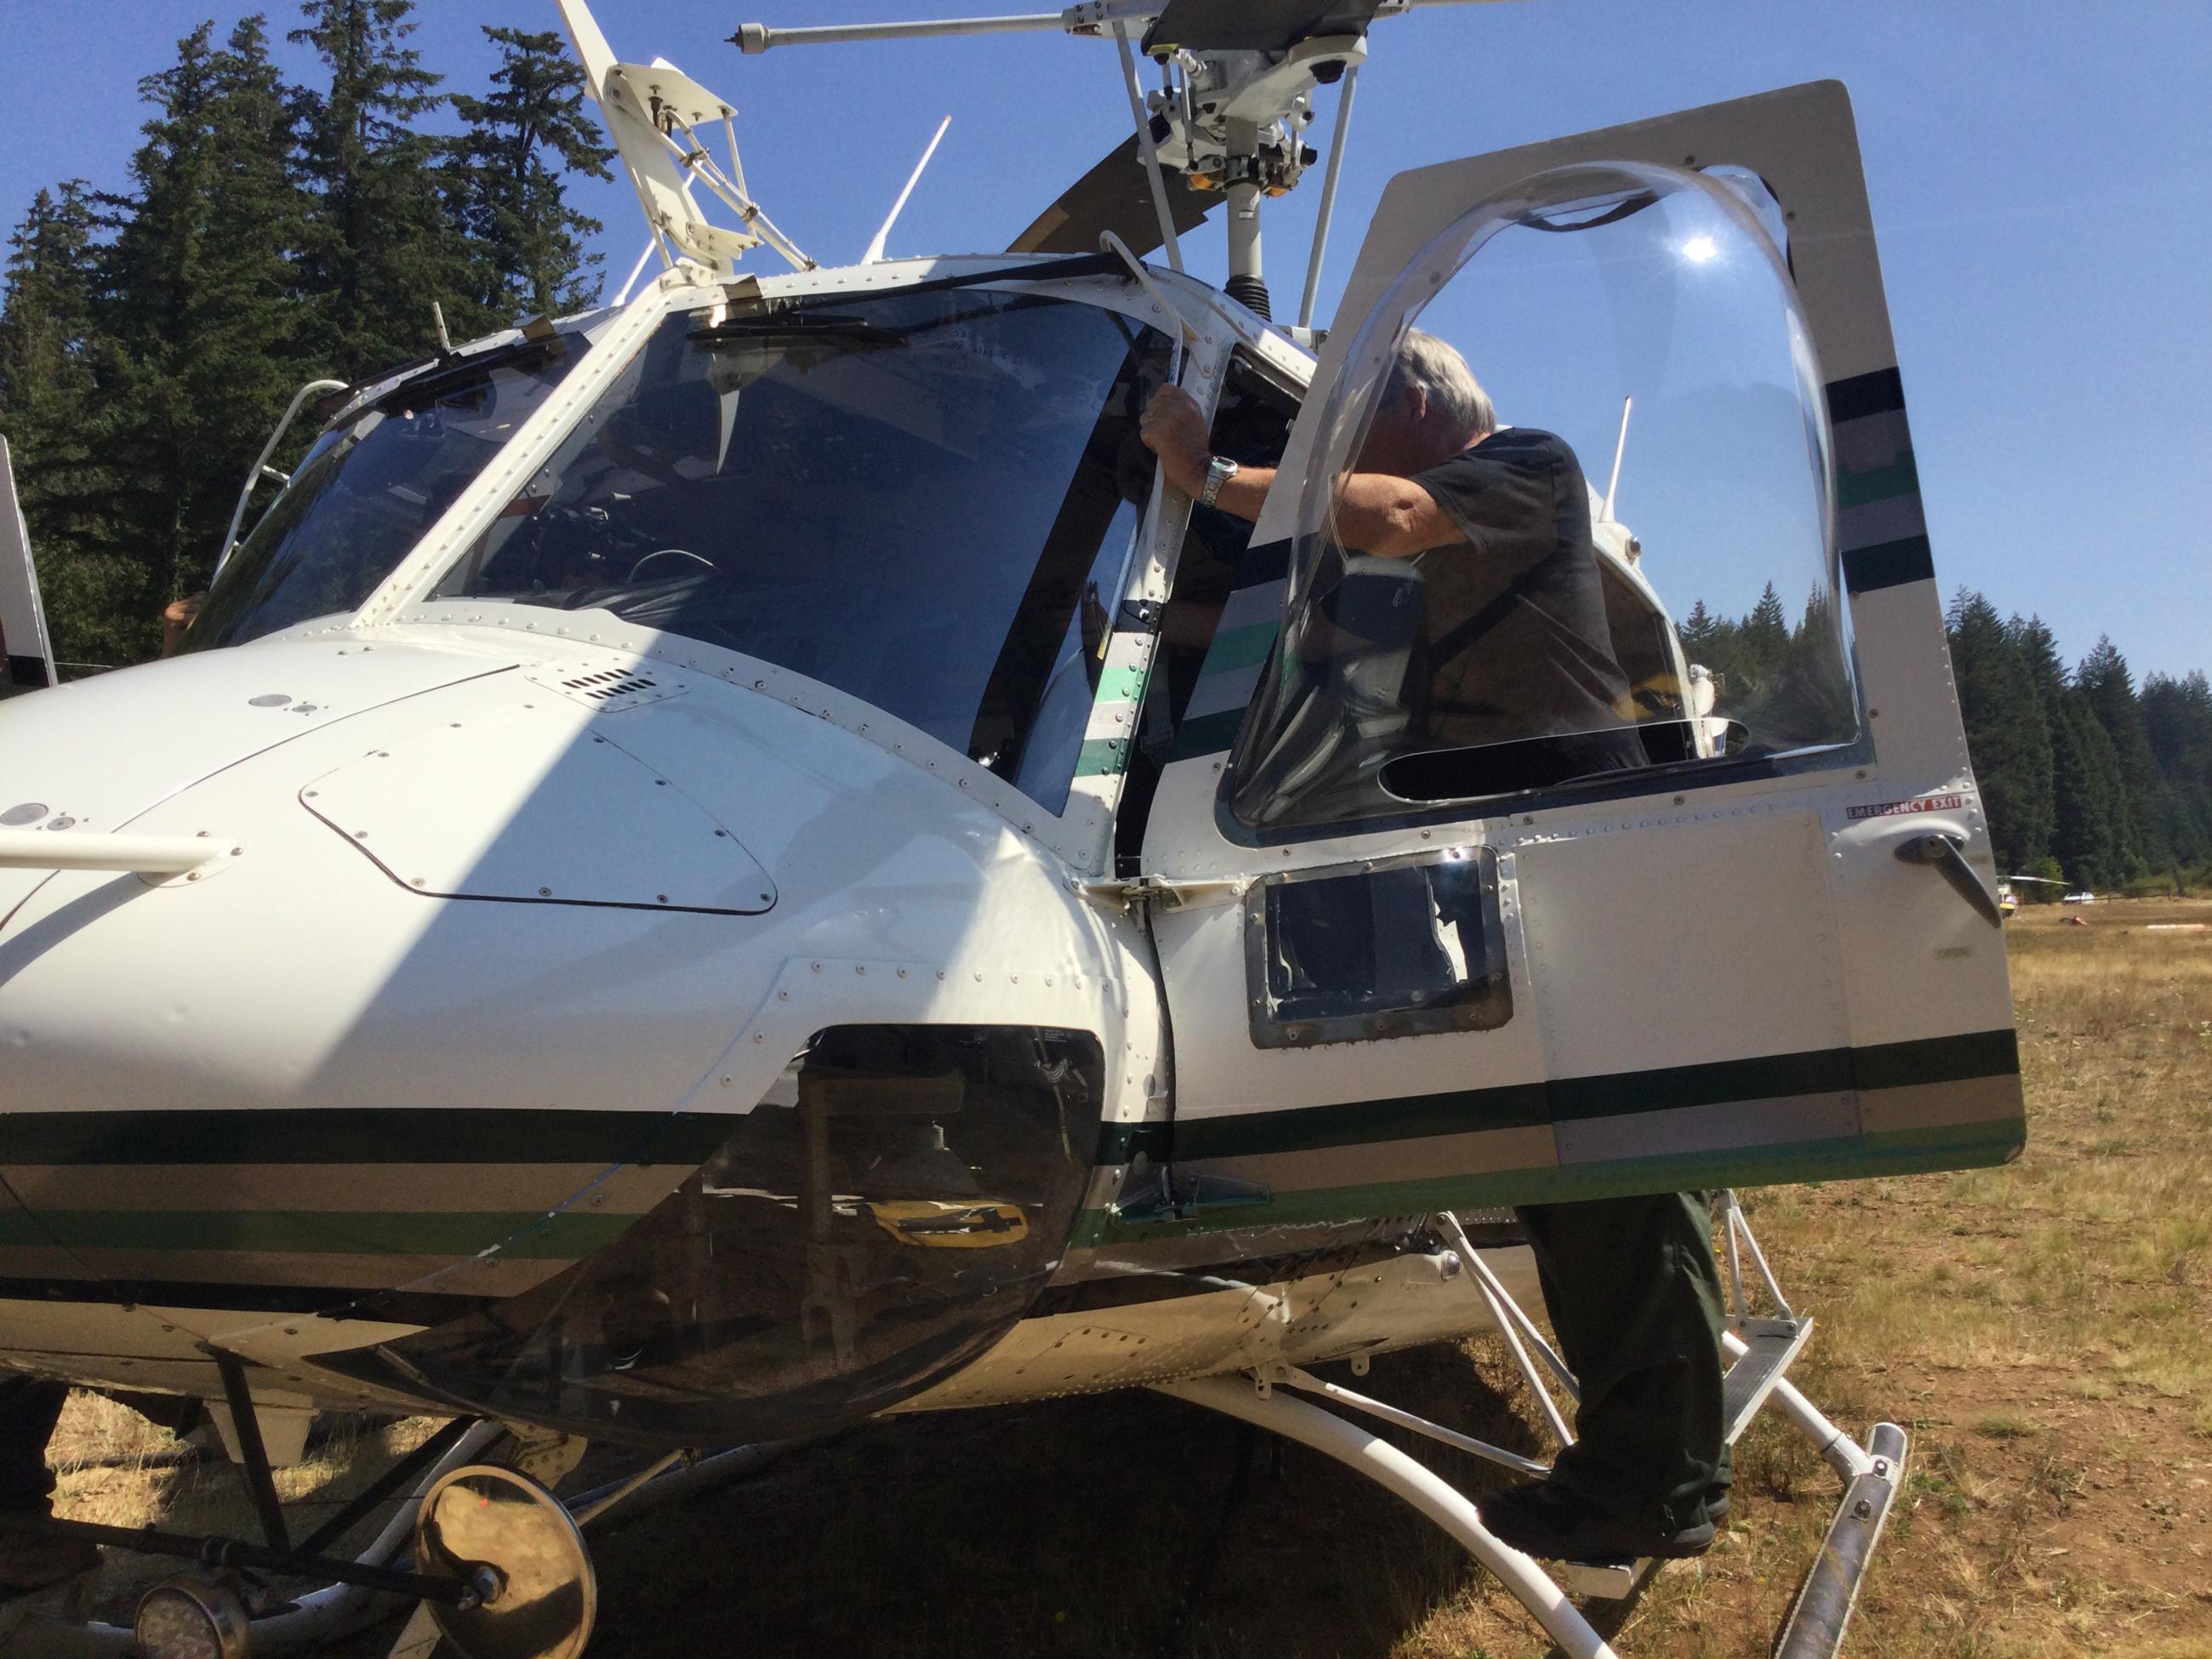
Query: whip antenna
(876,245)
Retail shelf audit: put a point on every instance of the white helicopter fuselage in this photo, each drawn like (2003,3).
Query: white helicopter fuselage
(517,914)
(684,954)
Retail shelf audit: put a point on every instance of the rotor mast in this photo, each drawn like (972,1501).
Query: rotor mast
(1231,116)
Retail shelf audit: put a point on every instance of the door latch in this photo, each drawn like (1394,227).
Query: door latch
(1947,856)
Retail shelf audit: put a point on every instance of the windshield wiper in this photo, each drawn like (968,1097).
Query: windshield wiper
(792,323)
(790,317)
(456,374)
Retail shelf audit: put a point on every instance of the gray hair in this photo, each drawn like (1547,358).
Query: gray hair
(1454,394)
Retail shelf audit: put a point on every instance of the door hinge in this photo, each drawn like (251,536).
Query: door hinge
(1165,891)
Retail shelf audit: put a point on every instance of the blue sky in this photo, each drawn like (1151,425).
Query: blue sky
(2041,176)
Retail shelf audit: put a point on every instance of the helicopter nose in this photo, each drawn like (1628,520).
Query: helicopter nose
(419,1031)
(700,1071)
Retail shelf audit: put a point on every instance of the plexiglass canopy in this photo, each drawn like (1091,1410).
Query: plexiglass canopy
(1699,622)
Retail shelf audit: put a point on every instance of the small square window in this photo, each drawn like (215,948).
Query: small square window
(1395,947)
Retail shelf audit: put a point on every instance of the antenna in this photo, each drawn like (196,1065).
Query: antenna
(875,245)
(1618,449)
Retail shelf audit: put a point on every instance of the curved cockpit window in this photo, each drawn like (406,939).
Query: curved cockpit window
(924,500)
(1565,621)
(369,487)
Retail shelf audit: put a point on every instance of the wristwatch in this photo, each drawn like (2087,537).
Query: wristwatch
(1219,470)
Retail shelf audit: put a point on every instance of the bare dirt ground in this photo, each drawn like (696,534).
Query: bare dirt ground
(2044,1332)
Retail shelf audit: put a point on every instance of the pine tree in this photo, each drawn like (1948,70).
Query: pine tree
(2178,721)
(57,371)
(526,243)
(379,244)
(2007,734)
(2083,842)
(1765,636)
(200,293)
(2109,690)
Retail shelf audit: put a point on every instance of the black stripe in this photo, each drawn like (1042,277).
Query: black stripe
(1938,1060)
(1770,1077)
(1270,562)
(386,1306)
(1888,564)
(1206,735)
(1412,1117)
(402,1134)
(27,673)
(1122,1143)
(1865,394)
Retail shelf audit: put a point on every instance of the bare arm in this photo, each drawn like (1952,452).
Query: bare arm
(1375,512)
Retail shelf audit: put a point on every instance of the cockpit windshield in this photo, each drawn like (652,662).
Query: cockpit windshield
(370,488)
(925,500)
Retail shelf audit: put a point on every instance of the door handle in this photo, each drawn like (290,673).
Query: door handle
(1946,854)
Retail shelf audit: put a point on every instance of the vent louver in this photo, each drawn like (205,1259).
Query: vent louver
(608,690)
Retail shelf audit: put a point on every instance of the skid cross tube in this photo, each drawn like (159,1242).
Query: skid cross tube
(1385,1464)
(386,1483)
(217,1551)
(1762,1350)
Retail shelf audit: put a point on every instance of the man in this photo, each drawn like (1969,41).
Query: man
(29,1407)
(1518,646)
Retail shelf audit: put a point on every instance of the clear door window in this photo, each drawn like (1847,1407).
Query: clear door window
(1554,631)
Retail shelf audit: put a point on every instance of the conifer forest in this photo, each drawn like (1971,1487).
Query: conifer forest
(271,233)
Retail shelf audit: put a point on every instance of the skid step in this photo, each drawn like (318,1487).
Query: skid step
(1773,1346)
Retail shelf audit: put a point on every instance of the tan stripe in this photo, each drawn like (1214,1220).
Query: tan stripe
(1727,1126)
(338,1188)
(471,1276)
(1941,1105)
(1376,1162)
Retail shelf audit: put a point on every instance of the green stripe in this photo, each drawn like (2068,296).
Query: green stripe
(406,1135)
(1120,686)
(1101,757)
(1239,647)
(1915,1152)
(530,1235)
(1878,483)
(1410,1117)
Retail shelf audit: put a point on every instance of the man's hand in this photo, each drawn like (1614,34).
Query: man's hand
(178,618)
(1174,429)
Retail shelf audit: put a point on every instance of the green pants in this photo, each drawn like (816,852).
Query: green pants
(1635,1300)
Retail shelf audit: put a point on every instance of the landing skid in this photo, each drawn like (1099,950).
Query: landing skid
(486,1568)
(1761,1350)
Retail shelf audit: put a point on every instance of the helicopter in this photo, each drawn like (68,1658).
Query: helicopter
(738,863)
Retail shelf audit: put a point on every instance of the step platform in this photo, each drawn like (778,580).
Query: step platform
(1773,1346)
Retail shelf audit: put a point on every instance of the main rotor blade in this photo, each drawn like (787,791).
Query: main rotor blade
(1115,196)
(1255,25)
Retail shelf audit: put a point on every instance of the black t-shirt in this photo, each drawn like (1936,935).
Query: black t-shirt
(1516,636)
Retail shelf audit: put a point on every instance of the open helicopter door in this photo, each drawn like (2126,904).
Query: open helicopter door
(1528,879)
(26,657)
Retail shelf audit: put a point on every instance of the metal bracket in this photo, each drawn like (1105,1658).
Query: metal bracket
(1165,891)
(1172,1196)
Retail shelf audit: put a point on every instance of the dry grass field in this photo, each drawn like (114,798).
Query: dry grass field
(2043,1331)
